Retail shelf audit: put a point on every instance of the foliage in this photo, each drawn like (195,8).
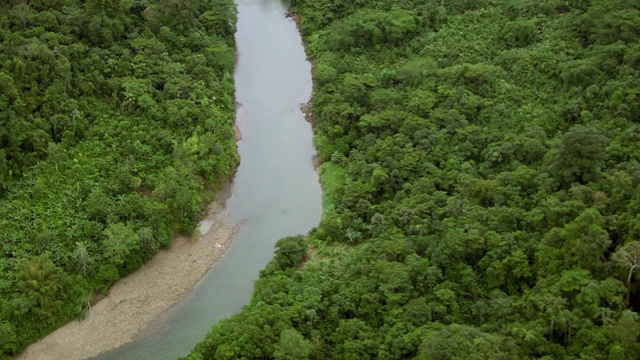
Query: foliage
(290,252)
(482,181)
(579,158)
(116,124)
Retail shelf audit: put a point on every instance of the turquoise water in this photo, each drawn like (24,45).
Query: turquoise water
(275,192)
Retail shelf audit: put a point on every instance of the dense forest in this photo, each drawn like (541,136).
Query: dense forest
(480,161)
(116,124)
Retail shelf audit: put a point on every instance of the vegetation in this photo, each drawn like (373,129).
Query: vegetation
(482,159)
(116,117)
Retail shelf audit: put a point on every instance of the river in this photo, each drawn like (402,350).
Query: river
(275,192)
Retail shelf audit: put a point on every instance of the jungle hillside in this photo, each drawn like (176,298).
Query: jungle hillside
(480,161)
(116,125)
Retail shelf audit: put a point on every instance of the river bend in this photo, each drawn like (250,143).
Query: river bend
(275,192)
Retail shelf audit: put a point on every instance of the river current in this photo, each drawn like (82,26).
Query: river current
(275,192)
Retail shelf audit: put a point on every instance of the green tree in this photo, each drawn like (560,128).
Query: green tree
(579,156)
(520,33)
(120,241)
(7,338)
(41,280)
(457,342)
(581,243)
(290,252)
(292,346)
(611,21)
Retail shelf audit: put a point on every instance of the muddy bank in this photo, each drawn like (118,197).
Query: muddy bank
(133,303)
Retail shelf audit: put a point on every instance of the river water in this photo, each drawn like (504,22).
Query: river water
(275,192)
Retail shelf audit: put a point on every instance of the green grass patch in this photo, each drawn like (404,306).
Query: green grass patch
(332,178)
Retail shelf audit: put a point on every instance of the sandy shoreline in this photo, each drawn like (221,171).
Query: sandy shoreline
(134,302)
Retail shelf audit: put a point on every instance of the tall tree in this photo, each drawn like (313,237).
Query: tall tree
(579,156)
(629,256)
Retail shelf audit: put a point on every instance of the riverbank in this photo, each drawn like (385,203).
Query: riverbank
(275,192)
(134,302)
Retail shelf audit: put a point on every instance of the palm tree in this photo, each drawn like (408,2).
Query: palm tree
(39,279)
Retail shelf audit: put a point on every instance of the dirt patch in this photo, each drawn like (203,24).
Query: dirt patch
(237,135)
(134,302)
(307,111)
